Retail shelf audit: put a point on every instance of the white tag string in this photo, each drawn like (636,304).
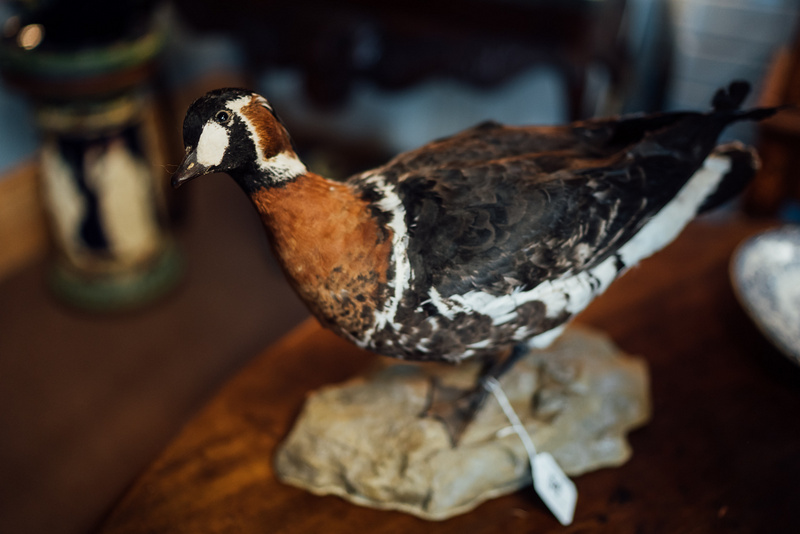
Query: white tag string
(556,490)
(494,386)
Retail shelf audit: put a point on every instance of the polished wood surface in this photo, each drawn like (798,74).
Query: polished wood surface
(722,453)
(23,235)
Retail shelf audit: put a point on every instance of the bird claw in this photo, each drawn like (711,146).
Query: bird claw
(454,407)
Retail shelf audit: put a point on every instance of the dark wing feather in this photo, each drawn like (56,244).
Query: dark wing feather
(499,208)
(515,227)
(491,140)
(485,142)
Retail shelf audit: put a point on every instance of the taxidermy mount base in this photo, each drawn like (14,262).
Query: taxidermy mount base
(365,441)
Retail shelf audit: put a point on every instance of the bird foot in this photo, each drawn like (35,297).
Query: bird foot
(454,407)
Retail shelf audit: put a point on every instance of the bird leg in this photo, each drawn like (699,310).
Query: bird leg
(455,407)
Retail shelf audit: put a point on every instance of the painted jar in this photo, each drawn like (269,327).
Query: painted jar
(102,184)
(106,209)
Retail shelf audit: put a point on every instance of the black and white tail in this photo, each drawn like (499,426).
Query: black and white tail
(743,160)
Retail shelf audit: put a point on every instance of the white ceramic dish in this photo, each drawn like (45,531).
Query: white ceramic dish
(765,271)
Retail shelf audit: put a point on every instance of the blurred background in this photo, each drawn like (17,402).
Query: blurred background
(124,305)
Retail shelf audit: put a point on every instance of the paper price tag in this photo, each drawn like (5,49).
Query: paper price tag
(556,490)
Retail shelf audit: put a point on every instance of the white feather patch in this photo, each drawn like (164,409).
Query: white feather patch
(573,292)
(662,229)
(237,105)
(281,167)
(570,293)
(391,203)
(542,341)
(284,167)
(212,144)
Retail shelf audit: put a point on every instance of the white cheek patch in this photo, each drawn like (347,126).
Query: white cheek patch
(212,144)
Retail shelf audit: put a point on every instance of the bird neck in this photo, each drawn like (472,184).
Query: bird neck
(275,171)
(330,245)
(308,197)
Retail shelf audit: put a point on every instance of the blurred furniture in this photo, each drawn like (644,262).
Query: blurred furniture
(398,44)
(779,137)
(720,454)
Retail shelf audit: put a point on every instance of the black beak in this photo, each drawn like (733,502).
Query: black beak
(188,169)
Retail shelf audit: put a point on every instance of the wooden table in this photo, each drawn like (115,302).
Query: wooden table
(722,453)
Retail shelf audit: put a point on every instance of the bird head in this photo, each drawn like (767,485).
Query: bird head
(237,132)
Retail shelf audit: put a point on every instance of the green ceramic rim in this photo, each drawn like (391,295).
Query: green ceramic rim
(117,293)
(83,63)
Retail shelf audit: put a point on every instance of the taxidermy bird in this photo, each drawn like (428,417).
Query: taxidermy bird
(479,245)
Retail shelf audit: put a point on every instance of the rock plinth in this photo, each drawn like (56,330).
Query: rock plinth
(365,441)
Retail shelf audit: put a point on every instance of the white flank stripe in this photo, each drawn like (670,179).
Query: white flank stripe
(581,288)
(447,309)
(485,344)
(544,340)
(573,292)
(668,223)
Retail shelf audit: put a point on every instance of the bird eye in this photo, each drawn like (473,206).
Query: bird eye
(222,116)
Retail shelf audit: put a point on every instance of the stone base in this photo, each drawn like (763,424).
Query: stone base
(364,440)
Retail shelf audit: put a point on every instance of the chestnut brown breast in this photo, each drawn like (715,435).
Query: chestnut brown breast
(331,248)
